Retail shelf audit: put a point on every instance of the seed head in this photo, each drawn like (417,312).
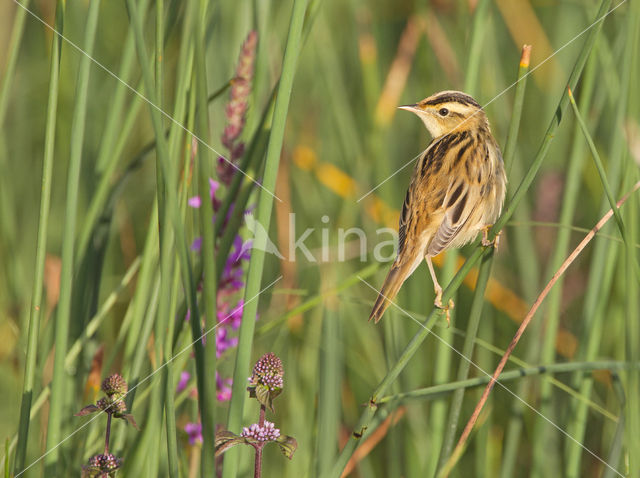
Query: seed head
(101,464)
(115,385)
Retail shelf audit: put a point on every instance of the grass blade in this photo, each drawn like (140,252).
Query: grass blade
(209,291)
(41,247)
(63,315)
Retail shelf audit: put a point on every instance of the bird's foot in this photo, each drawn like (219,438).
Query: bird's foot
(447,308)
(486,242)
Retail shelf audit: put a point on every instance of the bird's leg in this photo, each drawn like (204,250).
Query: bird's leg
(438,290)
(485,237)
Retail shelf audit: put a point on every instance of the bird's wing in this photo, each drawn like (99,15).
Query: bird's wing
(404,219)
(459,203)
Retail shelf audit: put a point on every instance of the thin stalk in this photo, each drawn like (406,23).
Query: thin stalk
(475,46)
(438,391)
(43,225)
(600,167)
(209,291)
(263,216)
(328,389)
(63,315)
(467,351)
(415,342)
(171,195)
(13,51)
(165,314)
(147,288)
(107,434)
(616,446)
(631,306)
(516,114)
(632,336)
(257,468)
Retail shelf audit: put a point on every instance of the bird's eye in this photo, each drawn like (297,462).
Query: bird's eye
(443,111)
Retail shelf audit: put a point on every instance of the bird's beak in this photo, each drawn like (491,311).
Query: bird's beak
(413,108)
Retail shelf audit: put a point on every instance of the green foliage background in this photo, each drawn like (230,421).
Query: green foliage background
(337,118)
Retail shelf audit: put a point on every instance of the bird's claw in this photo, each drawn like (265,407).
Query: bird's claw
(485,238)
(447,308)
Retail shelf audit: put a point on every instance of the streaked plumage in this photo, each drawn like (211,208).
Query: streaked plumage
(457,188)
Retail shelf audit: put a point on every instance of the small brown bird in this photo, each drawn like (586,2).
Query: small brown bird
(457,189)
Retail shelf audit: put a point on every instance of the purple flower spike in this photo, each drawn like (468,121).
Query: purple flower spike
(237,107)
(194,430)
(184,379)
(224,388)
(195,202)
(196,245)
(223,342)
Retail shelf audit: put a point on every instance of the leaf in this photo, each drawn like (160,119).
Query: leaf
(264,396)
(89,409)
(288,445)
(225,440)
(127,417)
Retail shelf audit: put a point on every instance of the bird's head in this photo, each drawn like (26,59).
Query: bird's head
(449,111)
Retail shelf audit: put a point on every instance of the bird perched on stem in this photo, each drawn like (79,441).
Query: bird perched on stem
(457,190)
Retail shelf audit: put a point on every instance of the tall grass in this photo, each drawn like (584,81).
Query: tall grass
(97,275)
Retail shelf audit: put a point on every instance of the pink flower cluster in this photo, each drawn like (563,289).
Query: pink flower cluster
(268,371)
(261,433)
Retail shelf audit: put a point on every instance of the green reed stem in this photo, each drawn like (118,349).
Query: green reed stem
(63,315)
(467,353)
(632,329)
(569,203)
(438,391)
(476,43)
(600,167)
(209,291)
(615,452)
(329,401)
(263,216)
(165,319)
(516,113)
(13,51)
(168,177)
(43,223)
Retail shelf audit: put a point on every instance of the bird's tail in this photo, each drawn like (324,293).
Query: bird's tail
(395,278)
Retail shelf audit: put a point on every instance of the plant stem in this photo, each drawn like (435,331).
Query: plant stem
(63,315)
(107,434)
(207,397)
(257,471)
(43,226)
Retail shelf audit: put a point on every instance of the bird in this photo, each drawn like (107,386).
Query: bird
(457,189)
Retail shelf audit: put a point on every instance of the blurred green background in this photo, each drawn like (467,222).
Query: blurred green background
(357,61)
